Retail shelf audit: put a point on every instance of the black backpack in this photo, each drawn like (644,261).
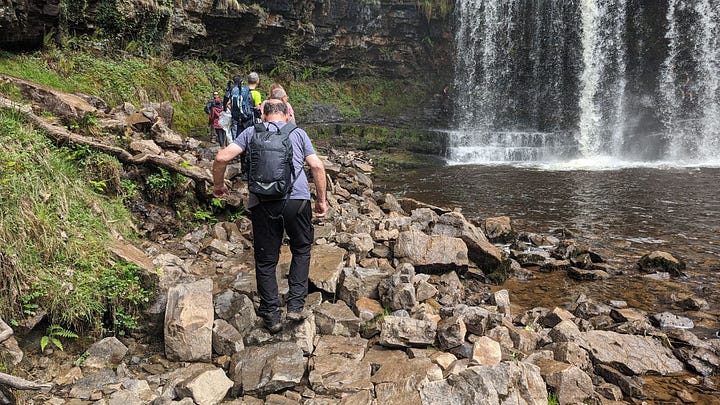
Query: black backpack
(269,162)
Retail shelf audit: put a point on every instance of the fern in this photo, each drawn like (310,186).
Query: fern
(53,335)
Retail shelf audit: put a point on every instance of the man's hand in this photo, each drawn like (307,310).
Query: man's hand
(220,190)
(321,209)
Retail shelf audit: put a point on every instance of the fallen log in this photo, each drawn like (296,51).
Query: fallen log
(21,383)
(61,134)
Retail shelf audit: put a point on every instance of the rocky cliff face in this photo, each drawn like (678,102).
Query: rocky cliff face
(387,38)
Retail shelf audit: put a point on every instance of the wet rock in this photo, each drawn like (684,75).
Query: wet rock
(693,303)
(207,388)
(494,384)
(336,366)
(406,332)
(266,369)
(326,264)
(451,332)
(532,257)
(188,322)
(568,382)
(107,352)
(588,309)
(659,261)
(336,319)
(631,354)
(499,229)
(587,275)
(486,351)
(226,340)
(667,320)
(359,282)
(551,265)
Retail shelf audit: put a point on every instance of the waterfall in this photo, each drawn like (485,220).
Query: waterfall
(690,83)
(603,78)
(539,80)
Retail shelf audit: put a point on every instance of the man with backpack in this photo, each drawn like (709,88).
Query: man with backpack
(279,201)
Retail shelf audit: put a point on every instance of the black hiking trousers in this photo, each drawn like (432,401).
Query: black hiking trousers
(296,220)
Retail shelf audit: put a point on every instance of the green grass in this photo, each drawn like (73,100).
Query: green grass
(186,84)
(54,230)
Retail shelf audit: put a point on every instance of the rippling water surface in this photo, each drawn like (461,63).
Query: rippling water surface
(624,212)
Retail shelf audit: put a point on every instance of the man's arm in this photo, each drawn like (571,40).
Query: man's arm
(222,159)
(318,173)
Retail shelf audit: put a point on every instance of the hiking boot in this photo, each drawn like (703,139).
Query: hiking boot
(273,324)
(297,315)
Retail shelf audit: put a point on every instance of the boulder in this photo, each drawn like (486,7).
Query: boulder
(359,282)
(336,366)
(667,320)
(431,254)
(486,352)
(571,384)
(485,255)
(226,339)
(406,332)
(659,261)
(207,388)
(107,352)
(189,322)
(631,354)
(505,383)
(336,319)
(451,332)
(260,370)
(326,264)
(499,229)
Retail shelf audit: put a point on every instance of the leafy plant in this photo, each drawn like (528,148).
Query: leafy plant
(53,335)
(100,185)
(553,399)
(81,360)
(202,215)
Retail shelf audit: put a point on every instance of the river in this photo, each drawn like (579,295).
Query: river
(622,211)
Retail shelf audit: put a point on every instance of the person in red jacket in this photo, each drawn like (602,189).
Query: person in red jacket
(215,110)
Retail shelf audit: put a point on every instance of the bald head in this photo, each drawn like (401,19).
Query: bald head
(274,106)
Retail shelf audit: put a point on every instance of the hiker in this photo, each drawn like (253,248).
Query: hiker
(280,95)
(234,104)
(254,97)
(270,218)
(210,102)
(216,110)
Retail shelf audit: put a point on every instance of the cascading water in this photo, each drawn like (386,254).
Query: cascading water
(690,80)
(542,80)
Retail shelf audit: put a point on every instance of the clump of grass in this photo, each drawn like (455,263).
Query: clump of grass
(54,230)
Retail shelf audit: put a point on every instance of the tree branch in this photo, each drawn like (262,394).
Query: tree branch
(21,383)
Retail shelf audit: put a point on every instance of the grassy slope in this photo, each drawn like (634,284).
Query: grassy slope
(54,229)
